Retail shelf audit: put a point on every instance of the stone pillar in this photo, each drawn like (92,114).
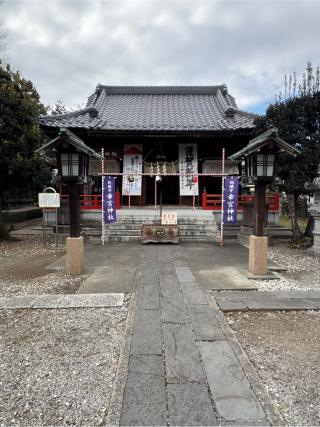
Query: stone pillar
(315,212)
(258,255)
(315,248)
(75,255)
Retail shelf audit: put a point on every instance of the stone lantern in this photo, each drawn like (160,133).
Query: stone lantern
(72,157)
(314,210)
(261,159)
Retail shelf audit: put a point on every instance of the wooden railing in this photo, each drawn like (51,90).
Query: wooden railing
(92,201)
(209,201)
(213,201)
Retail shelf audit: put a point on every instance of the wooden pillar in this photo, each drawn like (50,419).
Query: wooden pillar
(74,209)
(260,192)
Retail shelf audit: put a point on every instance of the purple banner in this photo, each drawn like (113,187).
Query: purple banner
(109,199)
(230,205)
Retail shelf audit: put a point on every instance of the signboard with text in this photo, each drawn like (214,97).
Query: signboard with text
(132,164)
(169,218)
(109,199)
(230,204)
(49,200)
(188,165)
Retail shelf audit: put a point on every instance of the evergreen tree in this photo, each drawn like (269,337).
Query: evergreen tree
(20,108)
(297,117)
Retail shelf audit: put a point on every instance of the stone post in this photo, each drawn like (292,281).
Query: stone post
(315,212)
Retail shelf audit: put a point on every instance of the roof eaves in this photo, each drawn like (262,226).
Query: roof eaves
(73,140)
(260,141)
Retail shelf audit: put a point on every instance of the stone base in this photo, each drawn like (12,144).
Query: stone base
(75,255)
(258,255)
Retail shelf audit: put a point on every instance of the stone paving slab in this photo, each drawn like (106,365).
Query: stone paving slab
(185,274)
(169,283)
(283,304)
(109,279)
(205,325)
(50,301)
(279,300)
(189,404)
(268,305)
(144,400)
(233,396)
(17,302)
(146,338)
(148,296)
(230,305)
(92,300)
(173,309)
(266,294)
(147,364)
(193,293)
(182,355)
(255,423)
(54,301)
(218,278)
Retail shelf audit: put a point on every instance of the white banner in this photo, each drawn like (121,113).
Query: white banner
(132,163)
(188,161)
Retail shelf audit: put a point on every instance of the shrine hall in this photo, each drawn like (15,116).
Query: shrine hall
(158,130)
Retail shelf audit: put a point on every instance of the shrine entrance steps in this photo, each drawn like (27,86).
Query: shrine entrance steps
(193,227)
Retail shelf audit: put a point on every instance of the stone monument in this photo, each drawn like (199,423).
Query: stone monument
(314,210)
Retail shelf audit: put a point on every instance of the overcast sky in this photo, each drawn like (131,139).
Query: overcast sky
(67,47)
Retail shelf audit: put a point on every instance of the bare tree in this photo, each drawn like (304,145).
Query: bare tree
(3,42)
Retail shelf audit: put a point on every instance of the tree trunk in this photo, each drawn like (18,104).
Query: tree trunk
(292,204)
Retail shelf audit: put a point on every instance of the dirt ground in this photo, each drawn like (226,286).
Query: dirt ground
(284,348)
(23,263)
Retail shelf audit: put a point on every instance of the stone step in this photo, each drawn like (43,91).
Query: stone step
(138,233)
(195,227)
(198,239)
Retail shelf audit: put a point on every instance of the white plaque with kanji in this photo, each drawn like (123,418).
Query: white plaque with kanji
(169,218)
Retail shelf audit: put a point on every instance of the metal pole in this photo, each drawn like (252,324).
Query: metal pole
(43,227)
(160,204)
(222,197)
(56,228)
(155,193)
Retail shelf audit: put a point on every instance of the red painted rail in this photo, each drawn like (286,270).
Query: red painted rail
(209,201)
(213,201)
(92,201)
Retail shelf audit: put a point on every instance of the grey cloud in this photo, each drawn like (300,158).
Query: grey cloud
(67,47)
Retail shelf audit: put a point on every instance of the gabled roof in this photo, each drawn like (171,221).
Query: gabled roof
(156,108)
(66,135)
(261,140)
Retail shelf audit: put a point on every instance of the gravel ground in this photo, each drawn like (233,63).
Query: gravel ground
(302,270)
(284,348)
(58,366)
(23,271)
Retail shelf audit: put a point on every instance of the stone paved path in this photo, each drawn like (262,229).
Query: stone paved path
(182,369)
(61,301)
(268,301)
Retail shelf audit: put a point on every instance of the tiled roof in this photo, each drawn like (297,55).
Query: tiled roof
(261,140)
(156,108)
